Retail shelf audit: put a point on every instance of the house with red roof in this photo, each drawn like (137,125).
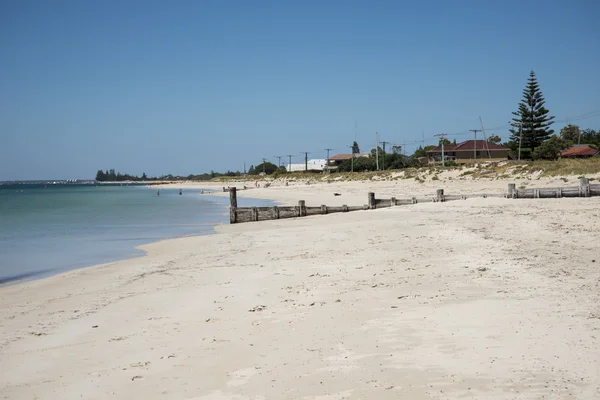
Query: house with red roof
(579,151)
(469,151)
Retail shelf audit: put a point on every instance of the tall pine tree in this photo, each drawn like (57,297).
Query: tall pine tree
(533,116)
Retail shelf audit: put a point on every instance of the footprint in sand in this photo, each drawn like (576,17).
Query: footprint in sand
(241,376)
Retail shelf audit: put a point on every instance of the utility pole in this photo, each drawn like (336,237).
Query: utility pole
(475,142)
(279,160)
(383,159)
(327,165)
(290,164)
(305,160)
(377,150)
(264,162)
(442,136)
(244,167)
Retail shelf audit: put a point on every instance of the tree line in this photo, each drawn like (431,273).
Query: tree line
(112,176)
(268,168)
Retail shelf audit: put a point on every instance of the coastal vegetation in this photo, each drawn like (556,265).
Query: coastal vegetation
(112,176)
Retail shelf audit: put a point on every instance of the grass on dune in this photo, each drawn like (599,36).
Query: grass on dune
(565,166)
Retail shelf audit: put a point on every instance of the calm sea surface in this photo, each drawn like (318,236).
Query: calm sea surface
(52,228)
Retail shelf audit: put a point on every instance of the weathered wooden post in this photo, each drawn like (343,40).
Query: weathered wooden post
(233,197)
(302,208)
(323,209)
(584,187)
(392,202)
(232,206)
(180,191)
(275,212)
(512,190)
(439,195)
(372,205)
(344,208)
(254,214)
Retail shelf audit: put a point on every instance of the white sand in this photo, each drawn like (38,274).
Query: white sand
(482,299)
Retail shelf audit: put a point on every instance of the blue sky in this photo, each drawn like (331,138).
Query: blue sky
(188,86)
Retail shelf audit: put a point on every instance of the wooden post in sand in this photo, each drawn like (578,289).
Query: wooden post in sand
(512,190)
(180,191)
(392,202)
(232,206)
(371,202)
(323,209)
(233,197)
(584,187)
(439,195)
(302,208)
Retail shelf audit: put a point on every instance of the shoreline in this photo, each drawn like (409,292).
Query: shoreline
(446,300)
(19,278)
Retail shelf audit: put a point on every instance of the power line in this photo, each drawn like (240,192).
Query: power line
(579,117)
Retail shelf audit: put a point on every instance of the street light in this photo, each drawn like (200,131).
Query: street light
(520,135)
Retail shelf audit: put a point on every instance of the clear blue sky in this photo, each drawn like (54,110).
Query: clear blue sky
(188,86)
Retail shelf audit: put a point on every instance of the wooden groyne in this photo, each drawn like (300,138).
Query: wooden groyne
(585,189)
(250,214)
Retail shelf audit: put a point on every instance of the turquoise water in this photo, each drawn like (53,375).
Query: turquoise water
(45,230)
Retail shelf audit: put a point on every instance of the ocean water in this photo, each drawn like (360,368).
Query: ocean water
(53,228)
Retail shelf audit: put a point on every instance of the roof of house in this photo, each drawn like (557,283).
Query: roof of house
(469,145)
(342,157)
(579,150)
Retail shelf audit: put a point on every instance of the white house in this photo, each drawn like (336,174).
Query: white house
(312,165)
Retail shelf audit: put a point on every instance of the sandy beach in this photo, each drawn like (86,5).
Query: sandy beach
(479,298)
